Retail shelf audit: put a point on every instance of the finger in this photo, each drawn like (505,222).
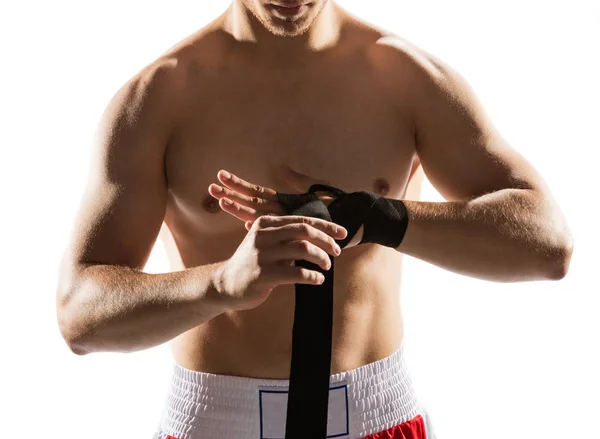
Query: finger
(298,250)
(334,230)
(299,232)
(259,204)
(243,187)
(242,213)
(219,192)
(283,275)
(298,181)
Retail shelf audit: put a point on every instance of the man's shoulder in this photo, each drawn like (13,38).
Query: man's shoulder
(401,58)
(410,72)
(172,72)
(146,91)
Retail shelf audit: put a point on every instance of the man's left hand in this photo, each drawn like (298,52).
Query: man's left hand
(248,201)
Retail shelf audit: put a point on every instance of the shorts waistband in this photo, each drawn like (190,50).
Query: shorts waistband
(378,396)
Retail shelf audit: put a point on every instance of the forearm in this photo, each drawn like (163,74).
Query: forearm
(114,308)
(505,236)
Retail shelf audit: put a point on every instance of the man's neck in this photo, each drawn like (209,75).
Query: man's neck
(323,33)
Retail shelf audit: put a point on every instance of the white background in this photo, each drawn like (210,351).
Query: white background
(488,360)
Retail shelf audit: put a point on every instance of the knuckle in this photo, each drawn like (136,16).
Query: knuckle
(259,237)
(296,227)
(263,221)
(305,245)
(307,274)
(306,228)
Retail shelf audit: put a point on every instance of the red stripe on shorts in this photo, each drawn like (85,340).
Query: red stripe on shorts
(413,429)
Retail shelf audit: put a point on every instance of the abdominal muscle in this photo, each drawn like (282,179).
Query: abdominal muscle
(257,343)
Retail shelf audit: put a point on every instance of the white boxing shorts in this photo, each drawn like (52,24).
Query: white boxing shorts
(375,401)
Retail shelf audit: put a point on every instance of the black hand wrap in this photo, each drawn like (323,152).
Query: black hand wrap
(385,221)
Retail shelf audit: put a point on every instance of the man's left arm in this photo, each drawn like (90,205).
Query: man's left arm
(500,221)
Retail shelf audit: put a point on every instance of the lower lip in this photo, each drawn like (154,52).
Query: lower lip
(289,12)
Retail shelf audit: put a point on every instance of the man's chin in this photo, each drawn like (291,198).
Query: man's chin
(286,29)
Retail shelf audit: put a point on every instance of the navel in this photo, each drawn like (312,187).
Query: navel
(211,204)
(381,186)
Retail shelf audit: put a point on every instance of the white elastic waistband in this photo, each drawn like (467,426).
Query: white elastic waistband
(363,401)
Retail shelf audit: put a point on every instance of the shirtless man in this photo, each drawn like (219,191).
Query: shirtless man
(282,94)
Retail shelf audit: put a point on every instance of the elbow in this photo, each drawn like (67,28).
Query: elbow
(76,348)
(560,261)
(72,313)
(68,325)
(71,334)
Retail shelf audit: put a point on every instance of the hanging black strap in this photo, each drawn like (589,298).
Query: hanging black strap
(308,395)
(385,221)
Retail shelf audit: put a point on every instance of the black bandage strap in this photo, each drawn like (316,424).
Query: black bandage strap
(308,395)
(385,222)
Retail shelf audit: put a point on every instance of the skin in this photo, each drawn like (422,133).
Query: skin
(281,104)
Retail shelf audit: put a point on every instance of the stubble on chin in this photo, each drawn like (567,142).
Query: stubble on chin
(291,29)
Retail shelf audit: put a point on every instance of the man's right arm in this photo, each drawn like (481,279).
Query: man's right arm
(104,301)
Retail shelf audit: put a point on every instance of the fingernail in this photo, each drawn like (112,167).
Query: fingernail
(226,175)
(227,201)
(218,189)
(337,249)
(322,279)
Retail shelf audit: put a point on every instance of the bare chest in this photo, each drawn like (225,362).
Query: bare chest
(336,127)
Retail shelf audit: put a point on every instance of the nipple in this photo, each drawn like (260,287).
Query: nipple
(211,204)
(382,187)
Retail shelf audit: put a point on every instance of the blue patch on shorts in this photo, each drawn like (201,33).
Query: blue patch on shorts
(273,411)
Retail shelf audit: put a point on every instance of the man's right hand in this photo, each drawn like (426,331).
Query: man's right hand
(265,258)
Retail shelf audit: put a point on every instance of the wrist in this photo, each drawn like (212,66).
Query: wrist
(219,293)
(215,295)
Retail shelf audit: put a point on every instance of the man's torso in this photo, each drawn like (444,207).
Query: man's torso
(340,117)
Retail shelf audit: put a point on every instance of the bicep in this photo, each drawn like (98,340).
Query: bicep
(124,202)
(463,155)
